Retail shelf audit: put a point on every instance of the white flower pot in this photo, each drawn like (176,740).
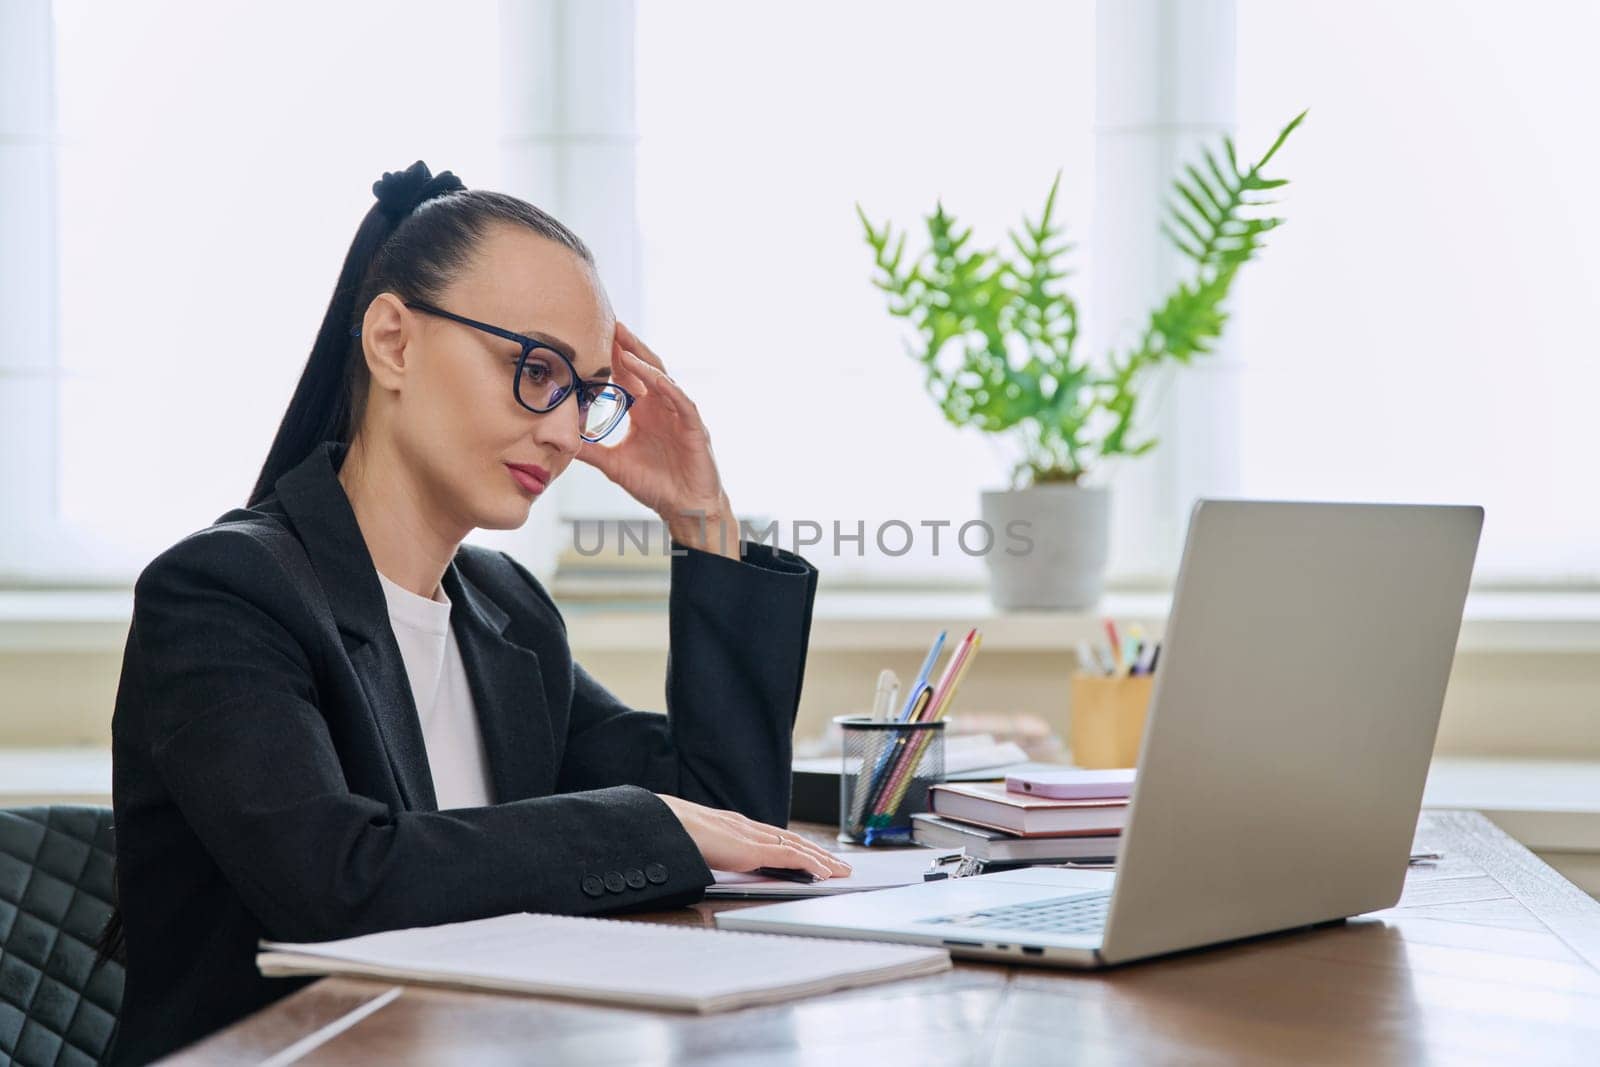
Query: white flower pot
(1051,543)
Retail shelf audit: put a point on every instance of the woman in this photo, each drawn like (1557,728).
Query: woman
(335,718)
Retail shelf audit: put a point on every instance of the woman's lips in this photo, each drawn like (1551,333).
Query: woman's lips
(533,479)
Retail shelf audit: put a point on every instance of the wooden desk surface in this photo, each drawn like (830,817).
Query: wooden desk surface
(1490,957)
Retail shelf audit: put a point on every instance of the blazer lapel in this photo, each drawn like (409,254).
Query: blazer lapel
(508,689)
(317,505)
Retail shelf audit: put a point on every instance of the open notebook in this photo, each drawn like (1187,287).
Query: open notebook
(635,963)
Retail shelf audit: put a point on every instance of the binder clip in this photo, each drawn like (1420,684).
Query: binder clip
(952,865)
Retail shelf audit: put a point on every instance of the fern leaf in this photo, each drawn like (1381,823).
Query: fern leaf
(1214,199)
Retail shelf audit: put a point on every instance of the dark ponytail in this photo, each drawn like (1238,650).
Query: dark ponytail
(420,232)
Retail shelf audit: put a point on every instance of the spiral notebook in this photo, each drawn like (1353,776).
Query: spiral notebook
(683,968)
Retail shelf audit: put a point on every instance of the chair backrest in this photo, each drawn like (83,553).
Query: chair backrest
(58,1003)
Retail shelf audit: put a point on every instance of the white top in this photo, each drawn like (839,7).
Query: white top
(444,700)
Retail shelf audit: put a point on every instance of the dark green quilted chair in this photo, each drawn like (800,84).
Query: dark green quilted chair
(58,1003)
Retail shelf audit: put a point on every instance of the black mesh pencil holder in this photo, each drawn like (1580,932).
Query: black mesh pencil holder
(885,771)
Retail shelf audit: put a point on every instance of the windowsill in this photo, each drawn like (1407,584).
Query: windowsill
(1552,805)
(844,619)
(902,620)
(64,620)
(1546,804)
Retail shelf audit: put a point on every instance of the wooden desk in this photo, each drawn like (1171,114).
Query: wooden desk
(1490,957)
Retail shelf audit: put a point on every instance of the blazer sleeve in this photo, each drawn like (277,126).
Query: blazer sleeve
(739,631)
(231,723)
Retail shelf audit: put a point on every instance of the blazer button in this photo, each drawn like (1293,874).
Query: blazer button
(635,878)
(656,873)
(615,881)
(593,886)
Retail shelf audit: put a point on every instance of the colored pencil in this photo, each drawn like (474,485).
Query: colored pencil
(951,669)
(904,773)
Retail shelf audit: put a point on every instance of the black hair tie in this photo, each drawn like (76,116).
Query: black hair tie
(399,192)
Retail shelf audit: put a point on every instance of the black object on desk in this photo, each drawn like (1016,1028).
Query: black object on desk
(788,874)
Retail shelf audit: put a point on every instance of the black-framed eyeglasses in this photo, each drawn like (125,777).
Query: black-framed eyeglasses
(541,384)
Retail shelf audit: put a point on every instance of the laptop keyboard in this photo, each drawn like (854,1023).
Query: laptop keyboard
(1080,913)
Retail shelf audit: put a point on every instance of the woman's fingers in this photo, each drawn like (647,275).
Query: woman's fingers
(631,342)
(623,373)
(730,841)
(666,388)
(597,456)
(818,858)
(648,366)
(776,855)
(642,362)
(656,384)
(642,369)
(834,865)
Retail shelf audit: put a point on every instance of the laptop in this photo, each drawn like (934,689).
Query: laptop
(1285,749)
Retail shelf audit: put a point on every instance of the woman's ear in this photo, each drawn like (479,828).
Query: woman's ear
(384,333)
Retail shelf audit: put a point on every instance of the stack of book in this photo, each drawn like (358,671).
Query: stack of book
(1034,817)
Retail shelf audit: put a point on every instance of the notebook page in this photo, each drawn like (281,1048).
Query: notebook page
(606,959)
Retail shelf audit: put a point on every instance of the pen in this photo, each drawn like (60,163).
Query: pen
(1135,647)
(922,676)
(1086,658)
(894,751)
(900,778)
(870,786)
(1116,647)
(970,652)
(874,784)
(883,697)
(951,669)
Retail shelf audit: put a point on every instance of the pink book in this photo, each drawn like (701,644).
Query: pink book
(1073,784)
(990,804)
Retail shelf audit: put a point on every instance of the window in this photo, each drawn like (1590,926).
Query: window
(1418,331)
(215,162)
(1422,329)
(760,127)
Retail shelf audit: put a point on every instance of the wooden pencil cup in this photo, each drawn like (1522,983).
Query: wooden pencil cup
(1107,718)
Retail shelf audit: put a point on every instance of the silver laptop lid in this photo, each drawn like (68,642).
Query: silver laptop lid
(1293,718)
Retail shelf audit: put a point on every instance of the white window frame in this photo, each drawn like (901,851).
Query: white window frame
(1165,84)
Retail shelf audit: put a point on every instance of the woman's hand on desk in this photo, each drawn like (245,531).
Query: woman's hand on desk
(730,842)
(665,462)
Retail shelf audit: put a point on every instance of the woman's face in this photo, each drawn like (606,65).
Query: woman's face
(456,422)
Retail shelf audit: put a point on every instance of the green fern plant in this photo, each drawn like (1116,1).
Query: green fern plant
(997,331)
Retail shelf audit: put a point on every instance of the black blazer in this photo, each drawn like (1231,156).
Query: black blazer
(270,779)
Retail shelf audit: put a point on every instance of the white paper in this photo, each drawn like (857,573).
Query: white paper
(869,870)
